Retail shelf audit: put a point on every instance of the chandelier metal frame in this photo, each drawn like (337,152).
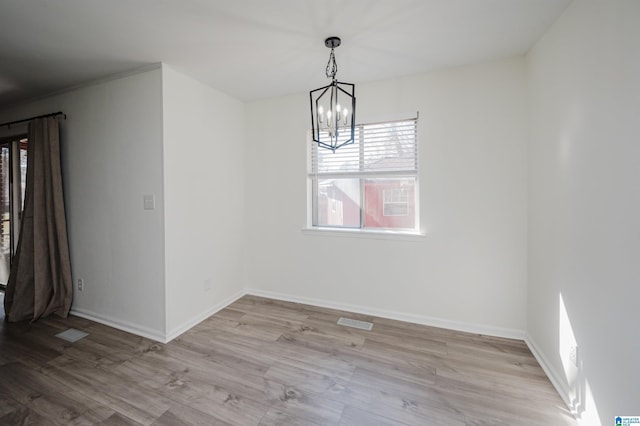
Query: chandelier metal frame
(332,122)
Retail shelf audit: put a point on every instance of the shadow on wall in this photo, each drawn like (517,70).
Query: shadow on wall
(580,397)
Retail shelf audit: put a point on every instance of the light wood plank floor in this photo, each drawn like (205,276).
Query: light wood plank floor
(265,362)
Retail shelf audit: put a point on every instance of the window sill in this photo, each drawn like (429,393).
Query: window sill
(364,233)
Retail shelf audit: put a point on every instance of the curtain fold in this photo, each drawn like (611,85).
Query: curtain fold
(40,280)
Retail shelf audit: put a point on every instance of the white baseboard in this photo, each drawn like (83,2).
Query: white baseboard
(155,334)
(552,374)
(136,329)
(202,316)
(413,318)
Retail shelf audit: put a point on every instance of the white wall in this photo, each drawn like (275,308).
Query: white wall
(584,216)
(470,268)
(204,198)
(152,272)
(111,155)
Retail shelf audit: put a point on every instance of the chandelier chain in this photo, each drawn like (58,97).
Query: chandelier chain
(332,66)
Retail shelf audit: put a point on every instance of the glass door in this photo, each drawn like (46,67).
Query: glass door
(13,172)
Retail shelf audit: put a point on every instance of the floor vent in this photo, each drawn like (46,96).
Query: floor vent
(362,325)
(72,335)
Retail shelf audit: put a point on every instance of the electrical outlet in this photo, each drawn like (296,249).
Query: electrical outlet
(573,355)
(80,284)
(149,201)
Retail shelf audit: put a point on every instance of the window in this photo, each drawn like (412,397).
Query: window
(395,202)
(13,170)
(371,184)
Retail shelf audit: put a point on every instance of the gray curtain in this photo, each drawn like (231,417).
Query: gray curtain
(40,280)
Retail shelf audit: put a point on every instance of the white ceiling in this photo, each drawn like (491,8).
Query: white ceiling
(254,49)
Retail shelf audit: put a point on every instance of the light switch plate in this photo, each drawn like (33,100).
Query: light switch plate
(149,201)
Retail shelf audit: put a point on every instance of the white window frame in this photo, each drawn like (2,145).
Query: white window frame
(313,176)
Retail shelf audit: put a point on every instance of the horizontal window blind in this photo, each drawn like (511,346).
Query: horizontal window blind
(389,148)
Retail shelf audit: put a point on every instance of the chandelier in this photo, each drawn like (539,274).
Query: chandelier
(333,107)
